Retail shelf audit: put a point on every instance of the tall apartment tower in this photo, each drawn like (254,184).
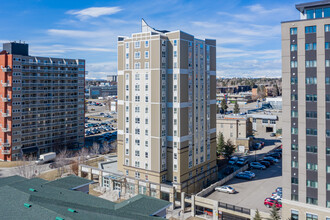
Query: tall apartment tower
(166,108)
(42,103)
(306,113)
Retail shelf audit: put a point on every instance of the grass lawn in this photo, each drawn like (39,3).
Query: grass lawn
(8,164)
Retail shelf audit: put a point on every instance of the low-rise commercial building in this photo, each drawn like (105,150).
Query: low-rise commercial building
(31,199)
(236,128)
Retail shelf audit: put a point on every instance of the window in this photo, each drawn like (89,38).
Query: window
(293,31)
(327,63)
(311,149)
(311,98)
(328,169)
(137,65)
(294,215)
(175,42)
(137,44)
(312,184)
(310,46)
(310,29)
(175,54)
(327,150)
(293,47)
(308,215)
(147,76)
(311,166)
(310,14)
(311,131)
(137,153)
(294,80)
(294,197)
(146,121)
(327,45)
(327,27)
(137,88)
(311,114)
(294,180)
(318,13)
(137,120)
(294,130)
(137,55)
(127,45)
(294,114)
(310,63)
(137,175)
(294,147)
(294,97)
(265,121)
(327,98)
(146,43)
(137,164)
(127,55)
(137,98)
(146,65)
(175,179)
(294,64)
(294,164)
(146,55)
(326,12)
(137,131)
(311,80)
(328,133)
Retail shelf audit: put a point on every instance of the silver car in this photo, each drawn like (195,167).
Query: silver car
(257,165)
(226,189)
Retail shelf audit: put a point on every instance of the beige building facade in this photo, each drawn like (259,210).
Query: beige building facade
(166,108)
(306,110)
(238,129)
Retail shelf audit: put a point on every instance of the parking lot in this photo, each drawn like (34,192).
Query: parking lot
(252,193)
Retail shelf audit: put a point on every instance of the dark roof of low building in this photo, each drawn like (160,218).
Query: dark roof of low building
(38,199)
(69,182)
(303,6)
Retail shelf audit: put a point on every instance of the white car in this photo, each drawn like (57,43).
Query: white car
(226,189)
(257,165)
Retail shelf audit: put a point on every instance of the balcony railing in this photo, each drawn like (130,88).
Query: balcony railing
(6,85)
(5,130)
(6,152)
(6,69)
(6,99)
(5,144)
(5,114)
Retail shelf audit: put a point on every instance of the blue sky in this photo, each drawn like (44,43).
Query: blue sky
(248,32)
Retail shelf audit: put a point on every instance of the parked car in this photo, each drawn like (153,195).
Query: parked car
(265,163)
(229,170)
(257,165)
(233,160)
(278,189)
(226,189)
(250,173)
(272,134)
(277,195)
(271,159)
(242,161)
(269,202)
(257,146)
(275,155)
(279,150)
(242,175)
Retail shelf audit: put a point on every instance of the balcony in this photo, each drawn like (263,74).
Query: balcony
(5,130)
(6,69)
(6,99)
(6,85)
(5,144)
(5,115)
(5,152)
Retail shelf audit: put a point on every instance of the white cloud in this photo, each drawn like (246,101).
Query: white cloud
(94,12)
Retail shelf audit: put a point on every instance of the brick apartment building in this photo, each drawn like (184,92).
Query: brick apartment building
(42,103)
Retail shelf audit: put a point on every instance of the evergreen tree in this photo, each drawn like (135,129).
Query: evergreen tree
(224,105)
(229,149)
(257,216)
(221,144)
(274,213)
(236,108)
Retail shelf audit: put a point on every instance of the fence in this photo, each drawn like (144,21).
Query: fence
(234,208)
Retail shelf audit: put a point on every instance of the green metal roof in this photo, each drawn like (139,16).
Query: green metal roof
(49,201)
(69,182)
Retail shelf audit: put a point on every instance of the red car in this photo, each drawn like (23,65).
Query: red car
(269,202)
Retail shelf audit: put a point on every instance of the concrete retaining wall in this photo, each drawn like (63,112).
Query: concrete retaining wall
(210,189)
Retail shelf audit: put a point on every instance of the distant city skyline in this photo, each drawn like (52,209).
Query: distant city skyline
(248,33)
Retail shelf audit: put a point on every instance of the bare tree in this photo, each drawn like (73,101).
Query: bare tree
(61,161)
(28,168)
(106,148)
(95,149)
(82,155)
